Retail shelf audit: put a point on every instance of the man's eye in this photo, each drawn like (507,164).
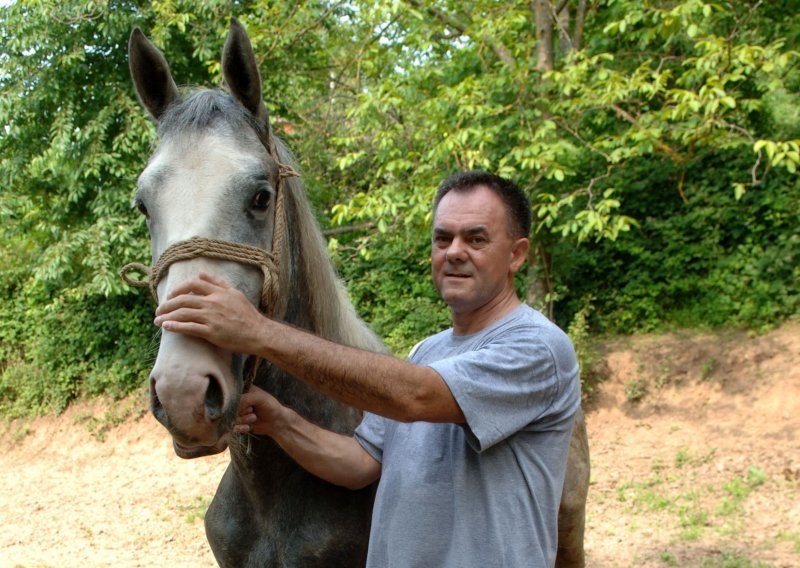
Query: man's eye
(261,200)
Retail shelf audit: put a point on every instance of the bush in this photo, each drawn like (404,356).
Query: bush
(54,353)
(707,262)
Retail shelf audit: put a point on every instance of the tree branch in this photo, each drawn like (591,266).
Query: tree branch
(622,113)
(348,229)
(500,50)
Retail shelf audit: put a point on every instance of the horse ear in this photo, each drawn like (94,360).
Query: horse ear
(150,73)
(240,70)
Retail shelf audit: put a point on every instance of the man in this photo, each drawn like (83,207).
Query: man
(469,437)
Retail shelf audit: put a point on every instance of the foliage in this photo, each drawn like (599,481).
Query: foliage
(706,262)
(658,142)
(69,151)
(592,367)
(72,142)
(80,347)
(393,290)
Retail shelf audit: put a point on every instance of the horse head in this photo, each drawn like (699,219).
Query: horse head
(214,177)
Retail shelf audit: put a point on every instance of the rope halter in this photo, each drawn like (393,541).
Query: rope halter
(196,247)
(208,248)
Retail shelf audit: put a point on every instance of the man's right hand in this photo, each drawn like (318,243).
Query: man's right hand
(333,457)
(258,413)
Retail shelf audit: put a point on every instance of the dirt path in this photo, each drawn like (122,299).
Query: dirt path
(702,471)
(71,500)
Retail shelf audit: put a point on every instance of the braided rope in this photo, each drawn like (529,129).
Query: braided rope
(208,248)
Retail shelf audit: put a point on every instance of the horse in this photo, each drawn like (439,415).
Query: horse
(219,175)
(221,194)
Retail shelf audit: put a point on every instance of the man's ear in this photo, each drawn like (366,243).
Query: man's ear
(519,253)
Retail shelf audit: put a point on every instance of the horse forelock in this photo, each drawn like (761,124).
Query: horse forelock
(206,109)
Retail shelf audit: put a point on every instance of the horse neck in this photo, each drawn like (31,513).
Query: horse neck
(316,301)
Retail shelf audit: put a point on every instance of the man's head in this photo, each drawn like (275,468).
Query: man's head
(479,242)
(517,205)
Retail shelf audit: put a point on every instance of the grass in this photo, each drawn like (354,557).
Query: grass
(707,368)
(636,390)
(19,429)
(729,559)
(130,409)
(196,509)
(684,456)
(693,520)
(693,512)
(725,559)
(793,537)
(696,508)
(738,490)
(669,559)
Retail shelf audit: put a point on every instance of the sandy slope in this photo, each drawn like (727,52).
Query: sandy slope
(716,406)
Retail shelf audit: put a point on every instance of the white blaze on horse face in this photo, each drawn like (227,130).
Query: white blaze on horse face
(197,186)
(197,195)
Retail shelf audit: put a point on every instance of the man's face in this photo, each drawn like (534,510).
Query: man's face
(473,259)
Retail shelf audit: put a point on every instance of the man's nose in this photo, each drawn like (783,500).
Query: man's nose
(456,252)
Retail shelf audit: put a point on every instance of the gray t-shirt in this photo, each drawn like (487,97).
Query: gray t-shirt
(486,493)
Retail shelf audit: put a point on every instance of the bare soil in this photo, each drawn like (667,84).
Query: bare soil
(695,462)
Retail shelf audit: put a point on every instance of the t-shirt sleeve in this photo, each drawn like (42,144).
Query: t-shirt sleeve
(511,383)
(370,434)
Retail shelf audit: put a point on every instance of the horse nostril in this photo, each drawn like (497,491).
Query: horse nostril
(214,399)
(155,404)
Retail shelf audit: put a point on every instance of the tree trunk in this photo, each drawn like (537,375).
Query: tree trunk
(580,18)
(562,16)
(542,13)
(540,285)
(540,282)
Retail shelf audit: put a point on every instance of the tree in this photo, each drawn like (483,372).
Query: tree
(479,84)
(655,139)
(72,142)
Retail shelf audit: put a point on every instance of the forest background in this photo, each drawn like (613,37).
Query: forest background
(658,140)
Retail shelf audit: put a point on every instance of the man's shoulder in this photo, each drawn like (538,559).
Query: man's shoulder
(435,339)
(526,320)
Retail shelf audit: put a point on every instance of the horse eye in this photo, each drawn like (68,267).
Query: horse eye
(142,209)
(261,200)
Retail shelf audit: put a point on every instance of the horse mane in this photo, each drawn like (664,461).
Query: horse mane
(317,297)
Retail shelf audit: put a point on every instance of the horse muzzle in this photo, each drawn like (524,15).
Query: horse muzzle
(194,394)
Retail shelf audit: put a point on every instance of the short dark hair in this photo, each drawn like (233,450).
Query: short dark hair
(517,204)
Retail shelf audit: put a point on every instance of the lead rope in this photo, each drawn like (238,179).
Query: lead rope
(195,247)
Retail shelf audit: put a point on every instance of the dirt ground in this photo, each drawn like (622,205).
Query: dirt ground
(695,449)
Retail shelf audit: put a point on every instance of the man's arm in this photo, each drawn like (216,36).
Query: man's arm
(333,457)
(211,309)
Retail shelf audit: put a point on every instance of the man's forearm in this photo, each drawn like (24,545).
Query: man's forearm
(375,382)
(211,309)
(333,457)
